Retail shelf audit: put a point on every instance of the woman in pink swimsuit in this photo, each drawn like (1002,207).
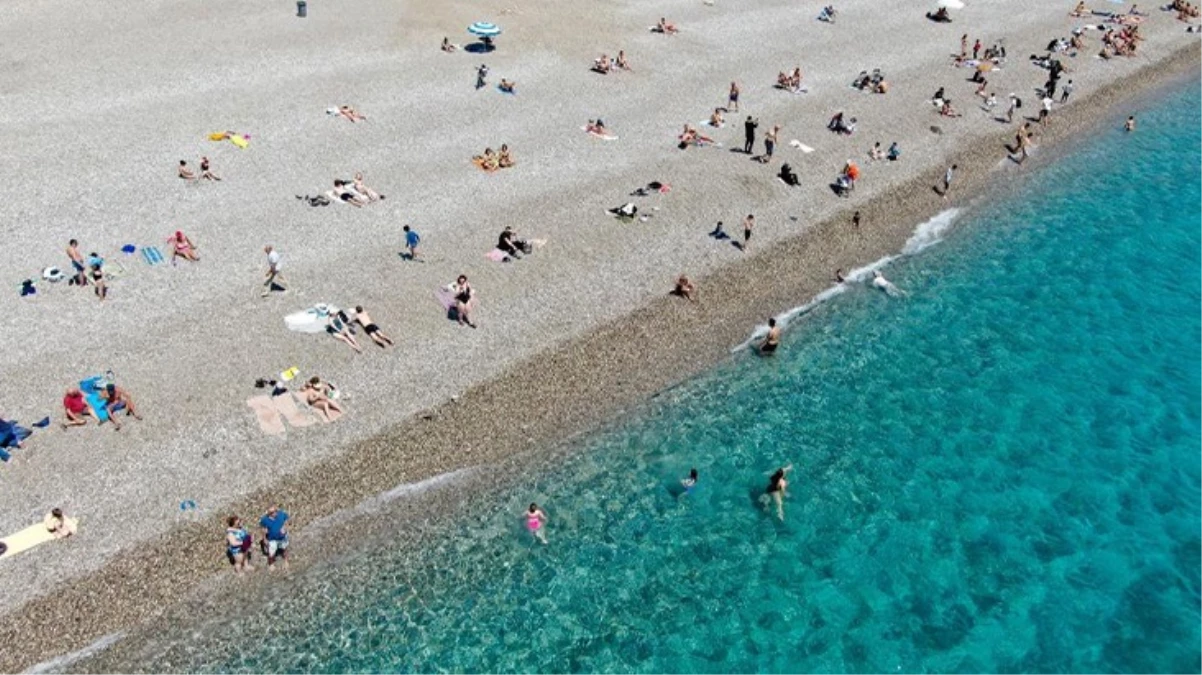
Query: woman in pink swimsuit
(182,247)
(535,519)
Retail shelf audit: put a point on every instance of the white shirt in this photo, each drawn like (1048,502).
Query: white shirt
(1047,104)
(273,260)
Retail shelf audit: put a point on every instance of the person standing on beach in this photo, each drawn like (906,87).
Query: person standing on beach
(947,179)
(275,535)
(274,278)
(964,45)
(80,278)
(855,220)
(976,49)
(237,545)
(411,241)
(1014,104)
(769,144)
(535,520)
(1130,125)
(1045,111)
(732,100)
(748,225)
(1064,93)
(481,75)
(749,128)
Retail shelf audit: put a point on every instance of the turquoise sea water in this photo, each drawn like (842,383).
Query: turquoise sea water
(998,472)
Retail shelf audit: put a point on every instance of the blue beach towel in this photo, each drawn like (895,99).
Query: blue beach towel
(152,255)
(91,389)
(11,434)
(128,248)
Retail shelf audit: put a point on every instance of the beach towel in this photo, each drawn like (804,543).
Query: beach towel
(26,539)
(706,123)
(265,412)
(497,255)
(285,405)
(446,298)
(11,434)
(91,388)
(801,146)
(152,255)
(240,141)
(290,374)
(312,320)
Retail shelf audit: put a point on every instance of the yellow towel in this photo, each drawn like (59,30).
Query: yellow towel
(28,538)
(218,136)
(240,141)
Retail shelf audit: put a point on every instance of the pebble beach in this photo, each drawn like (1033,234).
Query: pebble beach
(567,337)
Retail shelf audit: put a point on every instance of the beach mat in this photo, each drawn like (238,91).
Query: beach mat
(91,393)
(26,539)
(801,146)
(152,255)
(268,417)
(285,405)
(497,255)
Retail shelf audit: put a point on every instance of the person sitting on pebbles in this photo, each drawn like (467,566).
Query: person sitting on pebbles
(507,86)
(596,127)
(504,159)
(317,395)
(364,191)
(621,62)
(665,27)
(716,120)
(447,46)
(487,161)
(685,288)
(603,65)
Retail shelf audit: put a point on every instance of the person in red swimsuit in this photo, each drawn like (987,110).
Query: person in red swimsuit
(77,409)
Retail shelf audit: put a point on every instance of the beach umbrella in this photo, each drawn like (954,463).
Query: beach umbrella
(484,29)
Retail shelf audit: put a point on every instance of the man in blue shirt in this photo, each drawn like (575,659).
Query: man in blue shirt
(275,535)
(411,240)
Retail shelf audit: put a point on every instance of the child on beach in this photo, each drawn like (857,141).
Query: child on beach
(412,239)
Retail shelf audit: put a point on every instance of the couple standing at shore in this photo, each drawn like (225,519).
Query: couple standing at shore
(239,541)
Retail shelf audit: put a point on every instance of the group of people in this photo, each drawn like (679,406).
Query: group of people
(206,171)
(790,81)
(77,410)
(239,542)
(353,192)
(874,82)
(342,327)
(491,161)
(605,65)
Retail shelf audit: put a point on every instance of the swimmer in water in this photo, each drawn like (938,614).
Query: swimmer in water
(689,483)
(1130,124)
(771,340)
(885,285)
(535,519)
(776,491)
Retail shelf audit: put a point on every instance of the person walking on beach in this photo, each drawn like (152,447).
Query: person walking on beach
(732,100)
(947,178)
(749,128)
(1064,93)
(771,339)
(748,225)
(855,220)
(964,45)
(481,75)
(1130,125)
(275,535)
(1045,111)
(412,239)
(237,545)
(1014,104)
(776,491)
(273,276)
(535,521)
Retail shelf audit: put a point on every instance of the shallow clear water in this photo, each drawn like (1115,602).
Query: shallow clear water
(998,472)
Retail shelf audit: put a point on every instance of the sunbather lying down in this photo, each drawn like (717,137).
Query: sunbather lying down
(348,112)
(665,27)
(691,136)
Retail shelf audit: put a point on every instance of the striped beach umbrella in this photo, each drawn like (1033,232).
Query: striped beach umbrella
(484,29)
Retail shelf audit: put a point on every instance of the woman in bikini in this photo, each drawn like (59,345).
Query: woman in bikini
(336,326)
(316,394)
(182,247)
(362,189)
(102,290)
(504,159)
(464,297)
(535,520)
(205,172)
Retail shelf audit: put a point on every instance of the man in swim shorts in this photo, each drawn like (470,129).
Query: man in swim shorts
(373,331)
(275,535)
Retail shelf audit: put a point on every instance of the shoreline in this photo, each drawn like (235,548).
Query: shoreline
(575,389)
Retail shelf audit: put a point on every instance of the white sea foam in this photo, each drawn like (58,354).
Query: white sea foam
(377,502)
(926,235)
(58,663)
